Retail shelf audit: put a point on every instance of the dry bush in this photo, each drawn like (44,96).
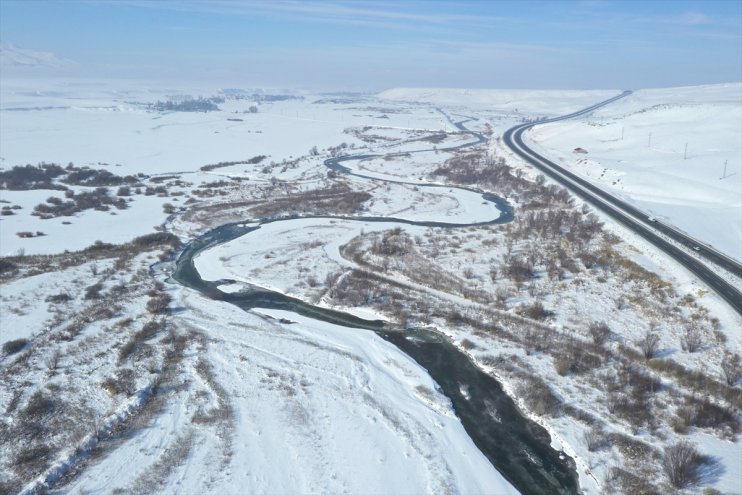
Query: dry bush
(600,332)
(394,242)
(649,345)
(681,463)
(539,398)
(574,358)
(632,448)
(595,440)
(58,298)
(13,346)
(731,368)
(158,304)
(692,339)
(93,291)
(535,311)
(702,413)
(619,480)
(137,341)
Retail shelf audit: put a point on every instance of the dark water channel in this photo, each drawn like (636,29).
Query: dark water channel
(516,446)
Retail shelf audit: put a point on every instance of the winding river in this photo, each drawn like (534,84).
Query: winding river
(516,446)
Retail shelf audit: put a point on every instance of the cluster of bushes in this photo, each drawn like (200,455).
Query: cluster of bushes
(339,198)
(702,413)
(9,210)
(394,242)
(252,161)
(96,178)
(14,346)
(10,266)
(98,199)
(27,177)
(28,234)
(53,176)
(189,105)
(138,341)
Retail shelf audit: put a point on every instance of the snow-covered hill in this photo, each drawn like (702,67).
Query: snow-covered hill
(523,101)
(636,149)
(13,56)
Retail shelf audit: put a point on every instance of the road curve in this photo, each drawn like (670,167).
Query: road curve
(629,216)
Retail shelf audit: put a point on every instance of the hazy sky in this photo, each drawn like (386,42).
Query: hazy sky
(373,45)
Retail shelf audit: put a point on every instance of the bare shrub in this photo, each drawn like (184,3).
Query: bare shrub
(124,382)
(137,341)
(681,463)
(691,340)
(468,344)
(93,291)
(38,407)
(158,304)
(595,440)
(649,345)
(600,332)
(619,480)
(632,448)
(13,346)
(562,364)
(731,367)
(394,242)
(702,413)
(58,298)
(535,311)
(539,398)
(52,361)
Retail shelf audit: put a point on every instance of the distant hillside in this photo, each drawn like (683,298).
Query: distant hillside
(12,56)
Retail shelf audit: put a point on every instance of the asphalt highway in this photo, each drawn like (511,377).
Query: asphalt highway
(631,217)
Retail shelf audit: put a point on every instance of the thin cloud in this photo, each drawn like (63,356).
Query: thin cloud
(384,15)
(692,19)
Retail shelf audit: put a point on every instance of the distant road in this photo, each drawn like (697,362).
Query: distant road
(631,217)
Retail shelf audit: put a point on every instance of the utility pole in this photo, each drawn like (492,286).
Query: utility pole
(725,169)
(685,153)
(622,129)
(649,141)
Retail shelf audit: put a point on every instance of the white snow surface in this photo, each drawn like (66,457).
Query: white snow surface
(523,101)
(636,149)
(319,409)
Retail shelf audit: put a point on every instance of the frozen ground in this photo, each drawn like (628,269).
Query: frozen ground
(636,149)
(268,401)
(305,397)
(524,103)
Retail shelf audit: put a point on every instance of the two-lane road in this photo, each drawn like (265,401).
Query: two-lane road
(631,217)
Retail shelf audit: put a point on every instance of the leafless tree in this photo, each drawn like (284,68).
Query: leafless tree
(681,463)
(731,367)
(692,339)
(650,344)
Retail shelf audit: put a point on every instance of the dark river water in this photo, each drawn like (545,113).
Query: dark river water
(516,446)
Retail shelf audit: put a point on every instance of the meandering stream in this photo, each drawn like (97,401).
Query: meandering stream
(516,446)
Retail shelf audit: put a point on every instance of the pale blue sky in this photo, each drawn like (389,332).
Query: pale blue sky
(364,45)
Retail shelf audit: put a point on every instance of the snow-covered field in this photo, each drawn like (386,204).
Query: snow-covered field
(524,102)
(636,149)
(268,401)
(317,408)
